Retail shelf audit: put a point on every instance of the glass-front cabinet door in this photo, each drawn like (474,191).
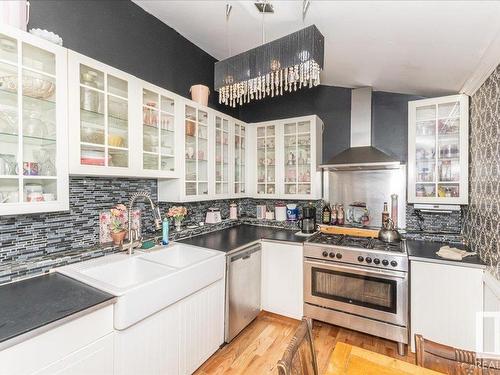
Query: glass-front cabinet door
(297,161)
(240,138)
(221,155)
(33,125)
(196,152)
(438,150)
(99,118)
(266,160)
(158,133)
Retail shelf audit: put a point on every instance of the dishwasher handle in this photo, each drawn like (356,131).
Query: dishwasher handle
(246,253)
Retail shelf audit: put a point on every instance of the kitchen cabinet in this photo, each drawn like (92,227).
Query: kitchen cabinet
(159,138)
(282,279)
(288,153)
(177,339)
(266,159)
(240,157)
(100,112)
(33,124)
(120,125)
(444,302)
(197,157)
(438,150)
(221,162)
(75,347)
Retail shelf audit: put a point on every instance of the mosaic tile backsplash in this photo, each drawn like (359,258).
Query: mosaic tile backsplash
(482,226)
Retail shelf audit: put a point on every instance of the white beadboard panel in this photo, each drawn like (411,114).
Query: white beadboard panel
(201,326)
(150,346)
(491,334)
(445,300)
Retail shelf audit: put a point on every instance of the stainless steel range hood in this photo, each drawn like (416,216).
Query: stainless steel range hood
(361,155)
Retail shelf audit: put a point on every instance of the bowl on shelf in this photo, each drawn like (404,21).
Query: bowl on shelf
(115,140)
(8,124)
(34,126)
(34,87)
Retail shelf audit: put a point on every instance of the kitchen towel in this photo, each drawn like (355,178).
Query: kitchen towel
(453,253)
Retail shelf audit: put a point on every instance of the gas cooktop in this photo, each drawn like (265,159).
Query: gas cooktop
(355,242)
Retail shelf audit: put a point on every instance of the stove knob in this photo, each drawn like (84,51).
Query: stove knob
(368,260)
(385,262)
(394,263)
(332,255)
(339,256)
(325,253)
(376,261)
(360,259)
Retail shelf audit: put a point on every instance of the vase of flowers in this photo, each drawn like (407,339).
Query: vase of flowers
(177,213)
(118,223)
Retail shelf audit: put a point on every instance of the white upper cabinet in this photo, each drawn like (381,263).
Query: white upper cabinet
(120,125)
(33,124)
(438,150)
(197,161)
(221,165)
(159,116)
(101,119)
(287,155)
(240,149)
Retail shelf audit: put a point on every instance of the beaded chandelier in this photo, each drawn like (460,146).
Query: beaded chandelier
(285,64)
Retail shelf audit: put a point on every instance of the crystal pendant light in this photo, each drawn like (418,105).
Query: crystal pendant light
(283,65)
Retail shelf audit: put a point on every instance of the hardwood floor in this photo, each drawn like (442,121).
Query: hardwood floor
(257,349)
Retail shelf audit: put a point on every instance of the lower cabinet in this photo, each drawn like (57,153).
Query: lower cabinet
(81,346)
(282,279)
(96,358)
(444,302)
(177,339)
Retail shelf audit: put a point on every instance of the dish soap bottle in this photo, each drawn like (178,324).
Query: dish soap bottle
(164,228)
(326,215)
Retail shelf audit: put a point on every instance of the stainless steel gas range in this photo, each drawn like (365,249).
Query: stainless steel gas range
(358,283)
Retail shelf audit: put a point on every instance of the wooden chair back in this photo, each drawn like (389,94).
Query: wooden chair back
(299,357)
(450,360)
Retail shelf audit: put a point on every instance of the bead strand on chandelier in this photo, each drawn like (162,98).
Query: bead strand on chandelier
(272,84)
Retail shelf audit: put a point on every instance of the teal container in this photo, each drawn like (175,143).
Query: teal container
(165,228)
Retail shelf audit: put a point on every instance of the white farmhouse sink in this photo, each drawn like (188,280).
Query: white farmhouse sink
(178,255)
(127,273)
(147,282)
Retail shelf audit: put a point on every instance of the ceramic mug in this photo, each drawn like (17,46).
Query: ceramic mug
(35,197)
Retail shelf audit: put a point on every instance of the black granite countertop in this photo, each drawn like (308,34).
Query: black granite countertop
(426,250)
(235,237)
(31,304)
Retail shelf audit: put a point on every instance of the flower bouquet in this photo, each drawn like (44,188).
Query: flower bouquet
(178,213)
(118,223)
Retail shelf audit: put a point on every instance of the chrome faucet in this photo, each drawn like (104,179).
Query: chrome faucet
(134,239)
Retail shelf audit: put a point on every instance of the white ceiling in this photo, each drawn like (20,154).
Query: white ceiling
(414,47)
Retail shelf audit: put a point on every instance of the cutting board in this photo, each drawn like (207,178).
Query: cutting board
(347,230)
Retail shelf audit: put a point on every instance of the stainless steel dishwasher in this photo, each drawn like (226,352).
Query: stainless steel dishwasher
(242,289)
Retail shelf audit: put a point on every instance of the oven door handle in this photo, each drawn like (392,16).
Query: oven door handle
(388,274)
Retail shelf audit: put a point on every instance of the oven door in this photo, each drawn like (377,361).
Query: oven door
(371,293)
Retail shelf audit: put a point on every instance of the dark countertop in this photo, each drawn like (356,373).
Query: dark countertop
(30,304)
(426,250)
(232,238)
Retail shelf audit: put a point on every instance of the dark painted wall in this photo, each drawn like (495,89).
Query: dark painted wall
(331,104)
(123,35)
(390,122)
